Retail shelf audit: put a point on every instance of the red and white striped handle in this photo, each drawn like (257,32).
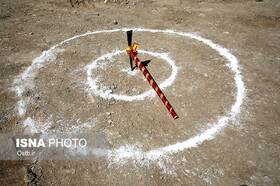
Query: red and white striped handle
(153,83)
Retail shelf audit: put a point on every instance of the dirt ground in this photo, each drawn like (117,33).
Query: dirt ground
(57,97)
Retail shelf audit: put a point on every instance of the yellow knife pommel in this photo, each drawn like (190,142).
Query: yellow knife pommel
(132,48)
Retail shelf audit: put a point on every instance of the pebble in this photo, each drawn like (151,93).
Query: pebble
(111,103)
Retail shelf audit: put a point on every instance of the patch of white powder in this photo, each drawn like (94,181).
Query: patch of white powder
(30,126)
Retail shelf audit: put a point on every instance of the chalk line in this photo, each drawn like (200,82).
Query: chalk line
(123,153)
(109,95)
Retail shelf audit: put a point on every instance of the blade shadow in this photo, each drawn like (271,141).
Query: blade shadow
(145,64)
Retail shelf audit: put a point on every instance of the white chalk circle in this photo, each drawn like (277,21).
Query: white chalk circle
(121,154)
(107,94)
